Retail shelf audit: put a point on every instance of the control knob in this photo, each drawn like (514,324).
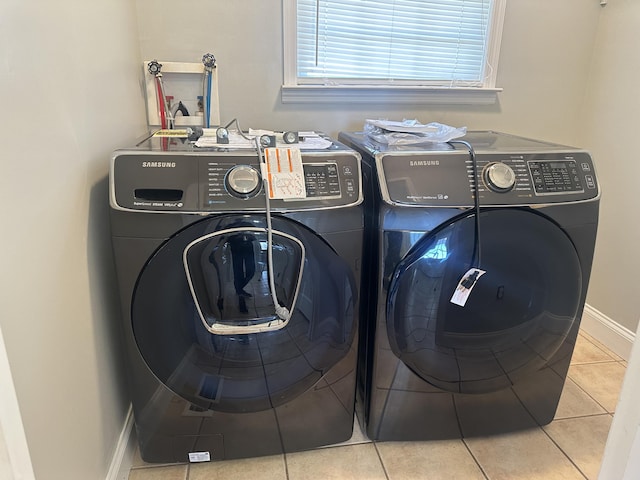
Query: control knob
(499,177)
(243,181)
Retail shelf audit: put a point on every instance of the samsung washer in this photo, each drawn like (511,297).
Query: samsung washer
(214,373)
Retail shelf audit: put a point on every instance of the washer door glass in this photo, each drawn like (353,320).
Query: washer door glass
(516,316)
(204,319)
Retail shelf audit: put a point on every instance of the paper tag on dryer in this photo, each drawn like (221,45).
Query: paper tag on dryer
(195,457)
(284,173)
(465,285)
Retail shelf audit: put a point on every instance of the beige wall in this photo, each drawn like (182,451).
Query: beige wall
(70,94)
(543,67)
(610,131)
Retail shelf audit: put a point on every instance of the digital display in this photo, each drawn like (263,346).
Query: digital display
(558,165)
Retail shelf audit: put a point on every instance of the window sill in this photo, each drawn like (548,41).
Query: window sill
(389,95)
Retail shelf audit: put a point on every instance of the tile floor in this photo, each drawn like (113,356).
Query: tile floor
(571,447)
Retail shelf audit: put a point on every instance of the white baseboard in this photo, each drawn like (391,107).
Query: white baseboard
(611,334)
(123,456)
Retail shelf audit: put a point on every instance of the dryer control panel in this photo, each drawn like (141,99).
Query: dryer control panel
(447,178)
(210,182)
(511,170)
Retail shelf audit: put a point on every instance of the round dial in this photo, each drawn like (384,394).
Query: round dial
(499,177)
(243,181)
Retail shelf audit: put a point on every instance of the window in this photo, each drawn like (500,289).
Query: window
(416,51)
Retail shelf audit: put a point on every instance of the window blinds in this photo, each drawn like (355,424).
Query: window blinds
(430,41)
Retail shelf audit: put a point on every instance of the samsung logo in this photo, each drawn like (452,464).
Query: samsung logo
(424,163)
(158,164)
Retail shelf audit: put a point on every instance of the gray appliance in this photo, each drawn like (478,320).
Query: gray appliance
(471,320)
(214,372)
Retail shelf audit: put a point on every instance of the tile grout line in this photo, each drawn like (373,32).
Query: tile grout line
(596,362)
(588,415)
(485,474)
(286,465)
(589,395)
(602,348)
(564,453)
(384,469)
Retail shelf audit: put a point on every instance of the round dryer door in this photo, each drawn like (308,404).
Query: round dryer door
(204,317)
(516,315)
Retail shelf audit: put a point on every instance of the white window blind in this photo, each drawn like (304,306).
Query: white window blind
(429,41)
(403,51)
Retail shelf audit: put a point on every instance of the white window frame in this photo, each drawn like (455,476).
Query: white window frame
(295,91)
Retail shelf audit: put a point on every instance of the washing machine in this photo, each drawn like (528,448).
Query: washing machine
(216,370)
(471,320)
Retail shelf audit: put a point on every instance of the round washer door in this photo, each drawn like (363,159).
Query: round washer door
(516,315)
(204,319)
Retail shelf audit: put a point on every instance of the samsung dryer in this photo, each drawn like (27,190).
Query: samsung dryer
(214,371)
(472,319)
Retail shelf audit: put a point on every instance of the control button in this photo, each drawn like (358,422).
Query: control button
(585,167)
(350,185)
(499,177)
(243,181)
(591,184)
(290,137)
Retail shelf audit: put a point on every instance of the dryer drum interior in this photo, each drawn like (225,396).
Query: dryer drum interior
(222,279)
(517,315)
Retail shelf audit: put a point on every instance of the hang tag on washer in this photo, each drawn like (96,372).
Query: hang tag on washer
(285,174)
(465,285)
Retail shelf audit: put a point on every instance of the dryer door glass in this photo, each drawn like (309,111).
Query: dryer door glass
(516,316)
(213,274)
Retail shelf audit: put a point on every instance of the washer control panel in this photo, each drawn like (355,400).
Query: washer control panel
(228,181)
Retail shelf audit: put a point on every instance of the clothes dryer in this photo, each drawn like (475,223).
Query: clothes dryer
(471,320)
(215,372)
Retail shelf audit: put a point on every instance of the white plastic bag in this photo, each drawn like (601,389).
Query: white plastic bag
(411,132)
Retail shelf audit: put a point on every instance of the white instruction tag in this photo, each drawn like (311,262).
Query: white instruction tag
(195,457)
(465,285)
(285,174)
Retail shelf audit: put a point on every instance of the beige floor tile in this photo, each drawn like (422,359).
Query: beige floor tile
(263,468)
(173,472)
(583,440)
(574,402)
(433,460)
(587,351)
(529,454)
(352,462)
(602,381)
(600,345)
